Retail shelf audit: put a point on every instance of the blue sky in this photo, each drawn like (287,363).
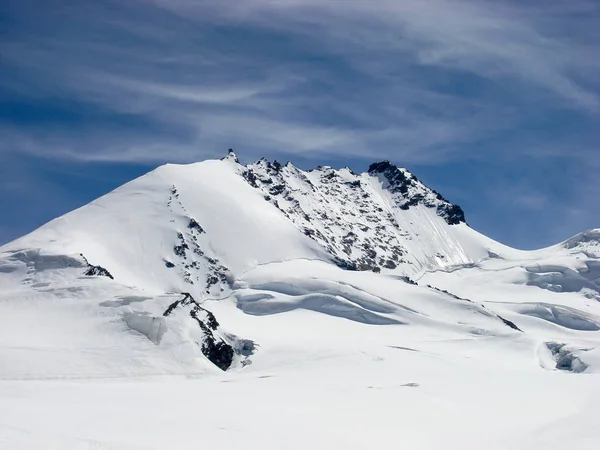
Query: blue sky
(496,104)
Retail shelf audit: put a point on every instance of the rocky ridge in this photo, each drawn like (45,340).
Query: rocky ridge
(353,216)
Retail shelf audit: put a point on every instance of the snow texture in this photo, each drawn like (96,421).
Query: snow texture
(263,306)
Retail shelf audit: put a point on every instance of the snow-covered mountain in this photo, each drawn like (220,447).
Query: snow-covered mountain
(323,286)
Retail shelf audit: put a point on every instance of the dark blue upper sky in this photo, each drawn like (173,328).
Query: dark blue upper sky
(496,104)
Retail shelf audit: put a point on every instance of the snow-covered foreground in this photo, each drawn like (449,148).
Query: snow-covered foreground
(377,397)
(316,381)
(223,306)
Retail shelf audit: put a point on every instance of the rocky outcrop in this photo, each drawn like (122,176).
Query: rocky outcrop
(344,212)
(408,191)
(486,311)
(218,349)
(196,264)
(97,271)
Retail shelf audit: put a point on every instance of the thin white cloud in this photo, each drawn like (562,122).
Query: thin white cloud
(199,92)
(489,38)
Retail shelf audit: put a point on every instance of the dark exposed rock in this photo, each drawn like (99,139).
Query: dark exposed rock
(276,166)
(217,273)
(400,183)
(350,238)
(169,264)
(231,156)
(389,264)
(211,280)
(366,265)
(97,271)
(506,322)
(456,297)
(408,280)
(180,250)
(193,225)
(452,213)
(214,347)
(277,189)
(250,177)
(346,265)
(218,352)
(414,200)
(191,269)
(369,251)
(381,167)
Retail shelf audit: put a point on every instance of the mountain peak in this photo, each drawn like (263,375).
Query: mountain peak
(381,167)
(231,156)
(381,220)
(396,178)
(409,191)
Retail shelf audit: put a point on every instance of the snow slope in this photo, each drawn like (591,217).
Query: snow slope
(263,306)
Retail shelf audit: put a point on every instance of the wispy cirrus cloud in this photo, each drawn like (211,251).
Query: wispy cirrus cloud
(488,38)
(417,77)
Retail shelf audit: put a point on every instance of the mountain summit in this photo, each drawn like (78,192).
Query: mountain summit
(199,224)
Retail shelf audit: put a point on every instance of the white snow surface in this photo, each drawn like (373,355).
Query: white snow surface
(445,339)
